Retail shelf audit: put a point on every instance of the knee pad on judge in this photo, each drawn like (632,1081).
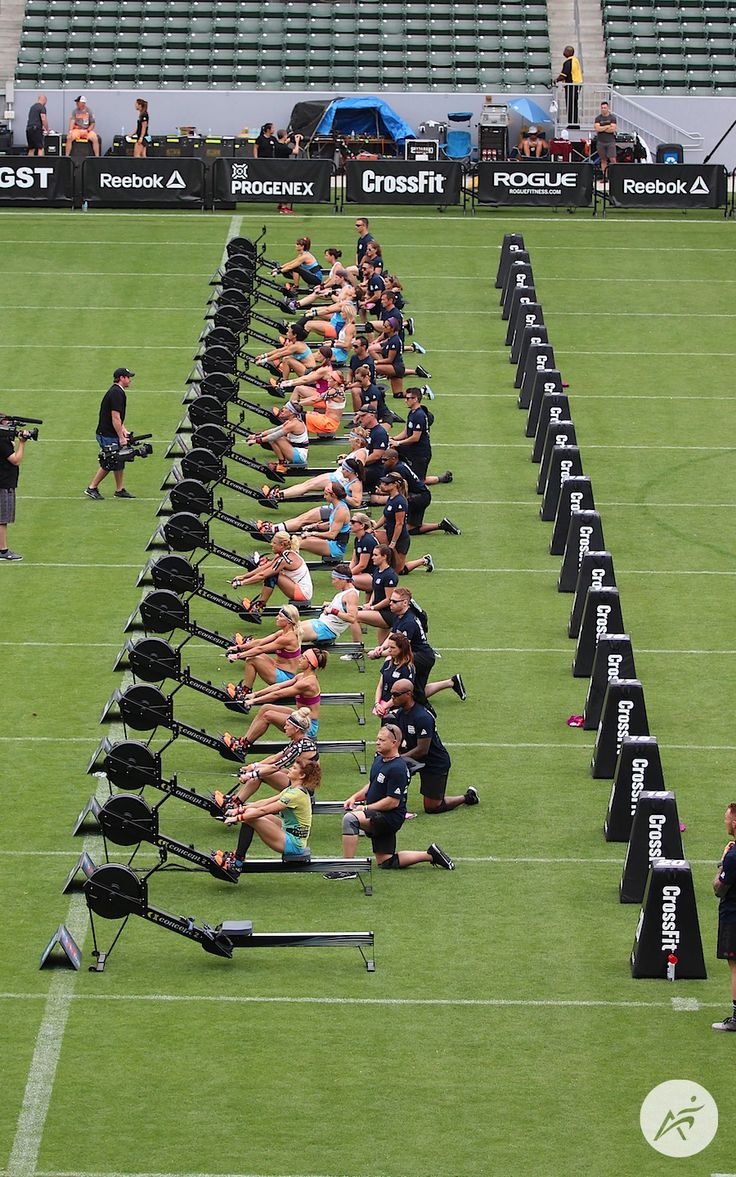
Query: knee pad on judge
(350,824)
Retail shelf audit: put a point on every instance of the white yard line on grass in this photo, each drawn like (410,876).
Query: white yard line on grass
(470,744)
(557,651)
(489,858)
(430,1002)
(488,571)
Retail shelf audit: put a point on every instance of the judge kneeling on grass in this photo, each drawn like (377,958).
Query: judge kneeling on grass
(283,822)
(379,810)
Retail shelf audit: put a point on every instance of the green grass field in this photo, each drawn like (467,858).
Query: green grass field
(502,1031)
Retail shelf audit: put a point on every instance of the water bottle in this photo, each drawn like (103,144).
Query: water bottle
(85,206)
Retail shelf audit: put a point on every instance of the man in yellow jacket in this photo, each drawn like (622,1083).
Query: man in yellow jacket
(572,75)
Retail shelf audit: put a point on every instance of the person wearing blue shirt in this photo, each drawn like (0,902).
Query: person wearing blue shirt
(379,810)
(420,742)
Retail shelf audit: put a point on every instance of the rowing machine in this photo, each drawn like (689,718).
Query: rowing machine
(205,467)
(162,611)
(126,819)
(115,892)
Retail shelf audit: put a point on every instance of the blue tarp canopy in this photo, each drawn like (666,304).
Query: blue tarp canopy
(364,115)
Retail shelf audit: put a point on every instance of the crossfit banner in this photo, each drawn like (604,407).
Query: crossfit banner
(36,180)
(668,185)
(136,182)
(293,181)
(535,182)
(403,182)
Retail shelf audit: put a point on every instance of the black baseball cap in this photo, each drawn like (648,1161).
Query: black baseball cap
(122,372)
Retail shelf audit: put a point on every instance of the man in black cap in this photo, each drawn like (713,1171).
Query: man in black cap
(111,431)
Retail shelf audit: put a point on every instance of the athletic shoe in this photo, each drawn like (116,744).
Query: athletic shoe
(338,875)
(265,527)
(446,477)
(471,796)
(220,799)
(420,371)
(458,687)
(349,657)
(428,562)
(393,419)
(123,494)
(228,860)
(284,208)
(428,392)
(418,347)
(439,858)
(409,324)
(450,527)
(93,493)
(727,1024)
(9,554)
(236,744)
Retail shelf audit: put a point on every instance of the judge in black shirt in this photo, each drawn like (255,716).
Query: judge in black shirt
(420,741)
(382,811)
(283,148)
(406,621)
(112,431)
(11,456)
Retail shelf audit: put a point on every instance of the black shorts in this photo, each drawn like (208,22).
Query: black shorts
(387,618)
(433,784)
(417,506)
(726,949)
(403,544)
(7,508)
(382,834)
(34,138)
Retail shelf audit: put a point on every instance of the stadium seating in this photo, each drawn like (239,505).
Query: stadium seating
(688,46)
(277,44)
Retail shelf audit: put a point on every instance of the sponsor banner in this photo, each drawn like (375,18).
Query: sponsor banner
(667,185)
(120,180)
(291,181)
(403,182)
(535,182)
(36,180)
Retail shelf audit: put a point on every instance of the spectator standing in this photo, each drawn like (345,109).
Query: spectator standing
(572,75)
(38,126)
(142,137)
(283,148)
(605,127)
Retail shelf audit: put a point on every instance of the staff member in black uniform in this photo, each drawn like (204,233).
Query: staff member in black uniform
(413,441)
(383,812)
(419,495)
(111,431)
(284,149)
(11,456)
(420,741)
(406,621)
(38,126)
(378,443)
(142,138)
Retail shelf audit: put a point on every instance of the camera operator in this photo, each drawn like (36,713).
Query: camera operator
(11,456)
(111,431)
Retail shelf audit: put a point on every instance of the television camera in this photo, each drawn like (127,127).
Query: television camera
(13,427)
(114,457)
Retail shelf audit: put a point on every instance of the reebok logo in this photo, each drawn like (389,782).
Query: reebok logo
(698,187)
(155,180)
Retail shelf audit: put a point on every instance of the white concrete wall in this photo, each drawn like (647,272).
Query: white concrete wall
(227,112)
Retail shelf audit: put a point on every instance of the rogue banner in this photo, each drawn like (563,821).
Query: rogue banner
(535,182)
(36,180)
(668,185)
(403,182)
(120,180)
(300,181)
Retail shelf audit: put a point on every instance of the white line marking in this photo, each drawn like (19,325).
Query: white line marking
(472,744)
(529,504)
(558,651)
(472,1002)
(495,860)
(686,1004)
(488,571)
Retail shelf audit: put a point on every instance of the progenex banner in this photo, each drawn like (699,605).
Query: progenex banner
(668,185)
(292,181)
(535,182)
(134,182)
(403,182)
(36,180)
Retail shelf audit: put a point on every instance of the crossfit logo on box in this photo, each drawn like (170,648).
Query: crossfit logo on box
(679,1118)
(423,182)
(26,177)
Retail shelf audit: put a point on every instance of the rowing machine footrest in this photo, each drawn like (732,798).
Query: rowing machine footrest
(237,931)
